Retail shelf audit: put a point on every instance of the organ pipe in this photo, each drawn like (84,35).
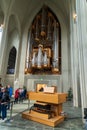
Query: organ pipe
(28,49)
(34,60)
(43,22)
(49,29)
(56,45)
(39,56)
(37,30)
(45,59)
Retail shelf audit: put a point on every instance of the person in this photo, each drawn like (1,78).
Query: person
(4,101)
(0,86)
(0,99)
(24,92)
(21,95)
(10,90)
(16,95)
(86,124)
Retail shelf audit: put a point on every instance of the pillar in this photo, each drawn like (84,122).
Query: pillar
(82,45)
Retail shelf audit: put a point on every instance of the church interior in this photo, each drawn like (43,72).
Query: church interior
(43,47)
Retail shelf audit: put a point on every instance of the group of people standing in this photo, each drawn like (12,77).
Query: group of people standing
(20,95)
(5,95)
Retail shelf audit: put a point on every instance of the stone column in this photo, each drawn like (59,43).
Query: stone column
(74,53)
(4,38)
(82,50)
(3,45)
(22,58)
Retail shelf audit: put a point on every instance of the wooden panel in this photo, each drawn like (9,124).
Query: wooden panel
(43,97)
(50,122)
(55,98)
(57,109)
(62,97)
(46,116)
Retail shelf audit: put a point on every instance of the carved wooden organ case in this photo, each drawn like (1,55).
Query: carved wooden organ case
(43,53)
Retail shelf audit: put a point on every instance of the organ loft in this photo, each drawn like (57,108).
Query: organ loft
(43,53)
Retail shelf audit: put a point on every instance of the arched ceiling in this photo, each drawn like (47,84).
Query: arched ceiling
(5,5)
(24,8)
(1,16)
(12,24)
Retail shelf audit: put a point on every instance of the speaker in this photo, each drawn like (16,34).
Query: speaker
(85,113)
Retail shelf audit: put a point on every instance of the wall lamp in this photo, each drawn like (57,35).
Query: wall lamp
(75,17)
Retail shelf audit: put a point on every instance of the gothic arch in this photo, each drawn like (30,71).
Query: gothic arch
(64,39)
(13,41)
(14,22)
(1,17)
(1,25)
(11,61)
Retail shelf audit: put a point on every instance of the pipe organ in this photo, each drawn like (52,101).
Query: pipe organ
(44,44)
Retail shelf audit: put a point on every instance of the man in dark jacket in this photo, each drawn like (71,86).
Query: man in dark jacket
(4,101)
(0,100)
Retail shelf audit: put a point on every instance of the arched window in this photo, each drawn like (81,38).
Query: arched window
(1,31)
(11,61)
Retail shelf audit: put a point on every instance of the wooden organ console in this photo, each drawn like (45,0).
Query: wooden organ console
(47,108)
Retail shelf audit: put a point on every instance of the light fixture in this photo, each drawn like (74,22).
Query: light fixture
(75,17)
(2,25)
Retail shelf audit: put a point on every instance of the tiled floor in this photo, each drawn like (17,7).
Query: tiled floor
(16,122)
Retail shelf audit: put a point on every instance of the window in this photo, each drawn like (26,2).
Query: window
(1,31)
(11,61)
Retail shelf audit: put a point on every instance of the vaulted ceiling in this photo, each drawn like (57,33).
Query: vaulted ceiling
(24,8)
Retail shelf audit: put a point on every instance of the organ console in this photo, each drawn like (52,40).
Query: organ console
(47,109)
